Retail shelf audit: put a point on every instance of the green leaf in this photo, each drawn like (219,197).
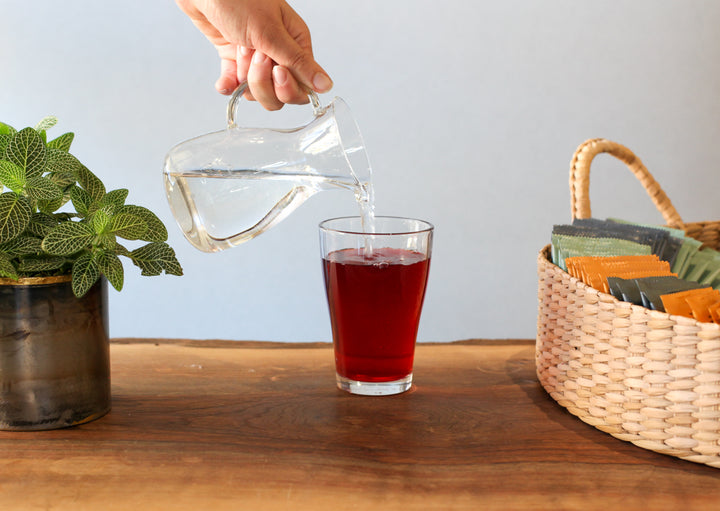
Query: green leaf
(62,142)
(7,269)
(15,213)
(121,250)
(156,231)
(22,245)
(4,142)
(46,123)
(41,264)
(100,220)
(68,238)
(113,201)
(128,226)
(6,129)
(50,206)
(91,183)
(27,150)
(106,241)
(41,224)
(154,258)
(64,180)
(85,273)
(61,162)
(111,266)
(12,176)
(63,216)
(81,200)
(42,188)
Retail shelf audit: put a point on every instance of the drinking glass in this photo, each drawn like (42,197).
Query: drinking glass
(375,283)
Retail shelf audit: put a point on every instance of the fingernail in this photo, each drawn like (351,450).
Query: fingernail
(280,75)
(322,82)
(245,51)
(259,57)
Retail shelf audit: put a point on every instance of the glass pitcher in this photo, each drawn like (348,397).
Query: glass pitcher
(227,187)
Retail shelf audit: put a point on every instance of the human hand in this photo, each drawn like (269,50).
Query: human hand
(263,42)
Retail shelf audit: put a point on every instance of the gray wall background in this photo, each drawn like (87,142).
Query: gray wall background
(470,111)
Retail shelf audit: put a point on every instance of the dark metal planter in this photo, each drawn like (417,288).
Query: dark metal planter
(54,354)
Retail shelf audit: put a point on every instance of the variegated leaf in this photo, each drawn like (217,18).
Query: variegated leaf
(27,150)
(42,188)
(68,238)
(41,224)
(62,142)
(22,245)
(156,231)
(4,141)
(113,201)
(62,162)
(154,258)
(85,273)
(12,176)
(51,206)
(128,226)
(121,250)
(111,266)
(40,264)
(81,200)
(91,183)
(46,123)
(7,269)
(6,129)
(100,221)
(15,213)
(107,241)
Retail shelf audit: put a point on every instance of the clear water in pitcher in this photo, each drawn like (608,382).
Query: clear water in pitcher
(218,209)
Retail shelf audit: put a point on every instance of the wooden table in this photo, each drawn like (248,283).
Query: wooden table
(260,426)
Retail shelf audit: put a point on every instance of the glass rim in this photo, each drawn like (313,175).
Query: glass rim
(426,226)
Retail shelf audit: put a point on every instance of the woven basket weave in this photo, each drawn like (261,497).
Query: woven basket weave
(642,376)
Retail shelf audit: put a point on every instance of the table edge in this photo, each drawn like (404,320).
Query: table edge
(237,344)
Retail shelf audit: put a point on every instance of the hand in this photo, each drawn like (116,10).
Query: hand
(264,42)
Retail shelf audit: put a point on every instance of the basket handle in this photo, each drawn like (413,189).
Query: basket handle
(580,179)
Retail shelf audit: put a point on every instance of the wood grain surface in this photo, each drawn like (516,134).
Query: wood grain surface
(213,425)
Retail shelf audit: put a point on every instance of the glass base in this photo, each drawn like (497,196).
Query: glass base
(382,388)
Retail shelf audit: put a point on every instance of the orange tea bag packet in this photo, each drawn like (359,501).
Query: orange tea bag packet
(594,270)
(628,267)
(586,268)
(715,312)
(700,305)
(676,303)
(576,265)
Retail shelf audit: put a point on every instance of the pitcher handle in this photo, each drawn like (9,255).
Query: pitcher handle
(238,93)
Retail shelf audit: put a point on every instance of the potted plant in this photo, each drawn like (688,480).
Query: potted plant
(59,247)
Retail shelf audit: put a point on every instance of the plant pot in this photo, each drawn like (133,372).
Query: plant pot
(54,354)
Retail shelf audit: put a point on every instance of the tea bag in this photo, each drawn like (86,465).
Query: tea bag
(700,304)
(673,241)
(685,255)
(715,312)
(704,266)
(655,238)
(652,288)
(625,290)
(677,303)
(646,291)
(594,271)
(564,246)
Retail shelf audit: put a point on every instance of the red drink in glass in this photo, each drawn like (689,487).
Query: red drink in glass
(375,282)
(375,305)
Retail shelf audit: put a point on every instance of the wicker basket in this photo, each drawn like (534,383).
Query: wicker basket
(643,376)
